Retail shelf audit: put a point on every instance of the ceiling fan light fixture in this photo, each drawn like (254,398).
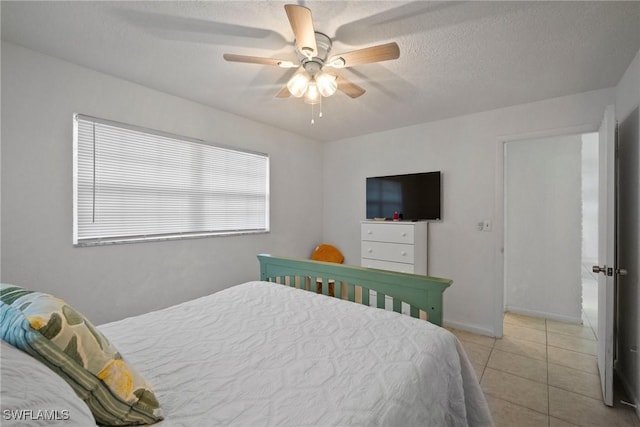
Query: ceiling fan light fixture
(326,83)
(297,84)
(312,95)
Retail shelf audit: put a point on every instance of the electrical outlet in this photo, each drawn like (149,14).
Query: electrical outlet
(486,225)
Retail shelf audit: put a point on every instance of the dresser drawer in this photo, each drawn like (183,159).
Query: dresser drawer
(387,265)
(381,232)
(394,252)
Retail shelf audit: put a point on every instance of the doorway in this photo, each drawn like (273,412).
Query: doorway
(551,228)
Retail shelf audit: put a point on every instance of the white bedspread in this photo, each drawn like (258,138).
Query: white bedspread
(265,354)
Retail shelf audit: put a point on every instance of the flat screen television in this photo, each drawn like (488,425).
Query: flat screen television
(415,197)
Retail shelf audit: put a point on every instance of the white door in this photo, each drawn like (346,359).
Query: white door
(606,252)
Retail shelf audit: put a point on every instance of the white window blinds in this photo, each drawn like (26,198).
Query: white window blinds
(133,184)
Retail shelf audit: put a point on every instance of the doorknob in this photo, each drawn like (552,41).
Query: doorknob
(608,271)
(597,269)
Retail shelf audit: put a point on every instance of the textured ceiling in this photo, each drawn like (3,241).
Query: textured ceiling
(455,57)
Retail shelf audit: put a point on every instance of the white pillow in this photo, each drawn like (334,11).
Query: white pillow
(33,395)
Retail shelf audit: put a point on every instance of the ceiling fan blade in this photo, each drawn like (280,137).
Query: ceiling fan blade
(259,60)
(351,89)
(383,52)
(302,26)
(284,93)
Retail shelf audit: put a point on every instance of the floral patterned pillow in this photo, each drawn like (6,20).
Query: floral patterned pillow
(63,339)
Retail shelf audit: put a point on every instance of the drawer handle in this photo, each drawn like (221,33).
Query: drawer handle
(404,234)
(403,253)
(369,250)
(369,232)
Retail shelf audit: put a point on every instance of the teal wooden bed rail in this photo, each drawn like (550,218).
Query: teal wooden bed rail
(422,293)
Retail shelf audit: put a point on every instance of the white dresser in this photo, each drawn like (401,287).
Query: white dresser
(394,245)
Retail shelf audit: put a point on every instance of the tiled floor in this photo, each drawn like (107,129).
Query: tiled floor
(543,373)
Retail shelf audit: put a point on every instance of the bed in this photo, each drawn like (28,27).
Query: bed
(275,352)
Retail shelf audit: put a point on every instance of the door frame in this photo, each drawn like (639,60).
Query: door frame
(499,207)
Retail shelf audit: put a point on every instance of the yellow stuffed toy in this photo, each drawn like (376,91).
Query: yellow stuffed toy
(328,253)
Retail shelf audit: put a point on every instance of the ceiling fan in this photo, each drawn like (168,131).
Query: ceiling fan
(316,76)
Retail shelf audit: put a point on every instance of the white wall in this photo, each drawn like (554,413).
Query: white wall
(468,150)
(628,115)
(39,96)
(590,155)
(543,219)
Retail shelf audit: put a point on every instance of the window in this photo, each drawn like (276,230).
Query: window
(134,184)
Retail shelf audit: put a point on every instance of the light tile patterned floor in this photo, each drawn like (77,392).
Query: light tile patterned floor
(543,373)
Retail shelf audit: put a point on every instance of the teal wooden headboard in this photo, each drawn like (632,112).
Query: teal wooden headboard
(422,293)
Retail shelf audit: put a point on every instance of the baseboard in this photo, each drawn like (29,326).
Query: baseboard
(469,328)
(552,316)
(629,392)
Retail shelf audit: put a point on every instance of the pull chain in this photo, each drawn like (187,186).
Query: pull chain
(313,109)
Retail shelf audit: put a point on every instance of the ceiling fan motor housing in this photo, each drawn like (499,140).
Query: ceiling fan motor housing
(314,64)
